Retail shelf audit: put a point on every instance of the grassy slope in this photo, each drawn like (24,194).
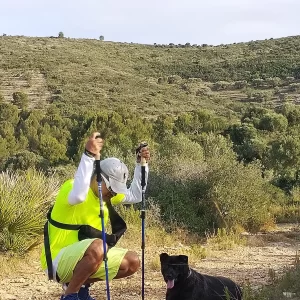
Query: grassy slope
(108,75)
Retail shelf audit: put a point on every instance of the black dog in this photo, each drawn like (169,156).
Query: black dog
(184,283)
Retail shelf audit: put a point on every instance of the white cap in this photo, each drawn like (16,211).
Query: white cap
(116,173)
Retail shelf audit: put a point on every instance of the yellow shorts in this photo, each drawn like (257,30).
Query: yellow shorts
(72,254)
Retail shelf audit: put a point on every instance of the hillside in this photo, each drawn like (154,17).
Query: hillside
(228,116)
(149,79)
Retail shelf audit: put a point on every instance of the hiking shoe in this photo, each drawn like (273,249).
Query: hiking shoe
(84,293)
(70,297)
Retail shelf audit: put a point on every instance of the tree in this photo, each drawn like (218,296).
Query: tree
(25,160)
(284,154)
(292,113)
(20,99)
(9,112)
(52,149)
(1,98)
(101,38)
(273,122)
(163,126)
(61,34)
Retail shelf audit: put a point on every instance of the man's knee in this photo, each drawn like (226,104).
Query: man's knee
(95,252)
(133,261)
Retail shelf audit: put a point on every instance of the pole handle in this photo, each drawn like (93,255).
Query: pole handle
(98,169)
(97,162)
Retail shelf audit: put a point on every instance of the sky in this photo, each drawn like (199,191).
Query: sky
(211,22)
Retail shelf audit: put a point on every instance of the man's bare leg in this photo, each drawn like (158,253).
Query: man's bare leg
(88,265)
(129,265)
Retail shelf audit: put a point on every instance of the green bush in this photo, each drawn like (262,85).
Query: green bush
(273,122)
(25,160)
(240,196)
(24,201)
(20,99)
(203,185)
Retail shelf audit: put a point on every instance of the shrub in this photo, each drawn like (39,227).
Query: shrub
(273,81)
(20,99)
(239,195)
(294,87)
(174,79)
(161,80)
(205,90)
(240,84)
(273,122)
(221,85)
(24,200)
(25,160)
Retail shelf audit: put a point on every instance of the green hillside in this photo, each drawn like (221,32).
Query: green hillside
(149,79)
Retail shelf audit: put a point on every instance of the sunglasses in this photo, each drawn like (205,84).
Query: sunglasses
(111,191)
(106,181)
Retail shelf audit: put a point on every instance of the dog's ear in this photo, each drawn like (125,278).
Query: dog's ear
(163,257)
(183,259)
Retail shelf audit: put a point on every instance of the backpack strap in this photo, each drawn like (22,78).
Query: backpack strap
(48,251)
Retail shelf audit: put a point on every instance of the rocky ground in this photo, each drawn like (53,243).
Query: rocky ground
(265,256)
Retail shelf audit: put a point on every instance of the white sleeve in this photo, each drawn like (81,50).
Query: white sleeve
(82,180)
(134,193)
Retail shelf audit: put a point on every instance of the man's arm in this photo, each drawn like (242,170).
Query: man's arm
(82,180)
(85,169)
(134,193)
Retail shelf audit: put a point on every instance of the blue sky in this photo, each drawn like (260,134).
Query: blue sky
(155,21)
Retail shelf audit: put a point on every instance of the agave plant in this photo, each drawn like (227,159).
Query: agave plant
(24,201)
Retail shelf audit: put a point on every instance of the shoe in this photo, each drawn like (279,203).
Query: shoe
(84,293)
(70,297)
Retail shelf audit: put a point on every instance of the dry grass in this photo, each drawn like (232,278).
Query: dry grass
(223,239)
(12,264)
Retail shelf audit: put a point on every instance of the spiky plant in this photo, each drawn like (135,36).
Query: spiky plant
(24,201)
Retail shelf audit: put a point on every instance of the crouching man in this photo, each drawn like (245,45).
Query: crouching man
(72,255)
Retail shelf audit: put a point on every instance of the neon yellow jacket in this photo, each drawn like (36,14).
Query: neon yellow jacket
(85,213)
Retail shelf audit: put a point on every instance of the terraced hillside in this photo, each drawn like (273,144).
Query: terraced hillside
(150,78)
(32,83)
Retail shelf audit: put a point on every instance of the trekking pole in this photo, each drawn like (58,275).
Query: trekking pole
(99,180)
(143,215)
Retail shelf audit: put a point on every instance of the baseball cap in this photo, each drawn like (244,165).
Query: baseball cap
(115,173)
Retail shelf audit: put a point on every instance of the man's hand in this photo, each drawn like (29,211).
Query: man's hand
(142,151)
(94,145)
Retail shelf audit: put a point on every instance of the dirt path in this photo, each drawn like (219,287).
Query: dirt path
(266,255)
